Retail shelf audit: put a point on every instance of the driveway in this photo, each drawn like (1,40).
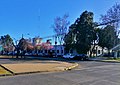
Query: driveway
(88,73)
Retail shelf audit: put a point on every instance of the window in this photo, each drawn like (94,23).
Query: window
(99,52)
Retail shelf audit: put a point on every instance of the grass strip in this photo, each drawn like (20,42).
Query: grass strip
(3,71)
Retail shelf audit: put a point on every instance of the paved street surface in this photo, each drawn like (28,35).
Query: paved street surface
(88,73)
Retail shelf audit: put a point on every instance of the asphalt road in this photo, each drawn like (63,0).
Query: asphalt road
(88,73)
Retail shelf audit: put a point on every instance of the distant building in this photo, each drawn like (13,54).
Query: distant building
(98,51)
(37,40)
(57,50)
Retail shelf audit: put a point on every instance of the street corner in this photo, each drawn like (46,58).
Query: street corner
(27,68)
(4,72)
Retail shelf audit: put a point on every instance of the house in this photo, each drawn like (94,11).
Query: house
(37,40)
(98,50)
(116,51)
(57,50)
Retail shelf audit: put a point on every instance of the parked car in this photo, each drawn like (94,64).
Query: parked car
(10,53)
(68,56)
(28,54)
(40,54)
(81,57)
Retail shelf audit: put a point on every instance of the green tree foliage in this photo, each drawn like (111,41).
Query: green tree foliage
(69,39)
(101,35)
(22,45)
(81,34)
(107,37)
(7,42)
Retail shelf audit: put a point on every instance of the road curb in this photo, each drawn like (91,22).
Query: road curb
(71,67)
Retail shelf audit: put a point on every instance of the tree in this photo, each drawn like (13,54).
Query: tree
(60,28)
(85,31)
(110,36)
(70,38)
(81,34)
(23,44)
(30,47)
(113,16)
(95,40)
(102,40)
(7,43)
(107,37)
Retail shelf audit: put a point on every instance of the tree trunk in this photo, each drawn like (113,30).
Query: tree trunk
(109,53)
(102,51)
(91,51)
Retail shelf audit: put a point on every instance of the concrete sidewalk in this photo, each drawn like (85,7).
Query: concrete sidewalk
(29,67)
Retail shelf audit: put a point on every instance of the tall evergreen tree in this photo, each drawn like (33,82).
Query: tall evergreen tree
(70,39)
(81,33)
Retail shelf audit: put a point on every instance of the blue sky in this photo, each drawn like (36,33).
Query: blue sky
(35,17)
